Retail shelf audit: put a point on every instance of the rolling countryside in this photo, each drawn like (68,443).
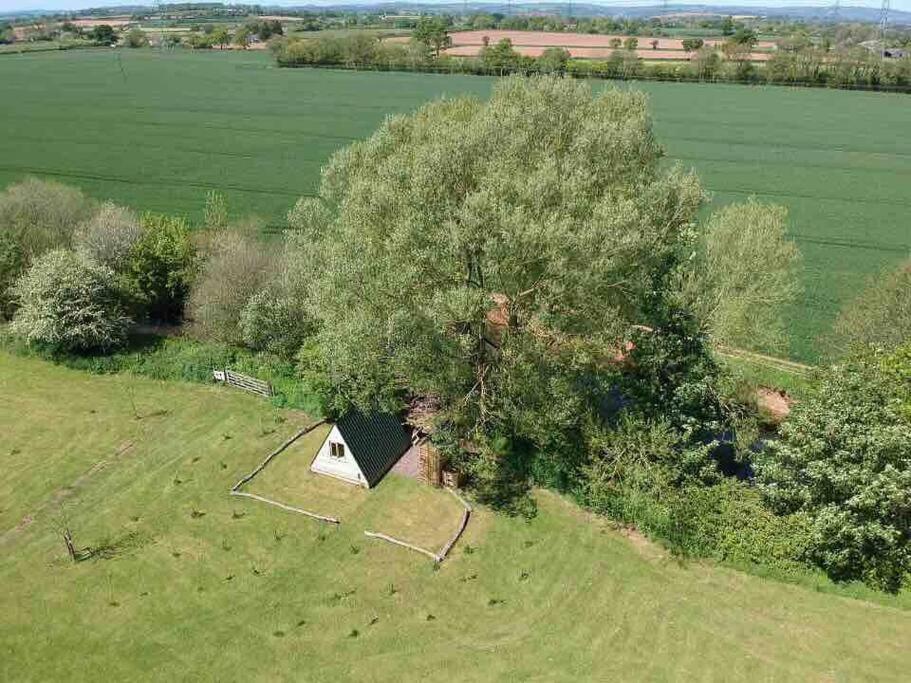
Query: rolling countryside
(156,130)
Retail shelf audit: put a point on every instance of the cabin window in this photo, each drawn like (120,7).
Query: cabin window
(336,450)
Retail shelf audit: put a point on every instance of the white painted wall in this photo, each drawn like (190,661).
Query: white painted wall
(344,468)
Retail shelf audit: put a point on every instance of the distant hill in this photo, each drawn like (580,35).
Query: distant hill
(818,12)
(808,12)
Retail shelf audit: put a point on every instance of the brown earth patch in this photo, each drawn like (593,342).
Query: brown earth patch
(775,403)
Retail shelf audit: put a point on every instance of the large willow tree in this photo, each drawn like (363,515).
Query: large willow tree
(499,256)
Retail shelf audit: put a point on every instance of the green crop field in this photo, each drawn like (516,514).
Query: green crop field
(156,130)
(192,584)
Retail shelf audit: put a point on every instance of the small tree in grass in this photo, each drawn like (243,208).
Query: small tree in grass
(70,303)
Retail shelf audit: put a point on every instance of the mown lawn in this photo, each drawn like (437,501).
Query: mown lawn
(419,515)
(198,585)
(157,130)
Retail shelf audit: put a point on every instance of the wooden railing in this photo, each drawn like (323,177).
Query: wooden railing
(241,381)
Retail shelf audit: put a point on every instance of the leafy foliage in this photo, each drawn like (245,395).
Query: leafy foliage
(274,321)
(844,460)
(12,262)
(496,256)
(880,315)
(162,264)
(41,215)
(108,237)
(745,275)
(431,31)
(67,302)
(235,266)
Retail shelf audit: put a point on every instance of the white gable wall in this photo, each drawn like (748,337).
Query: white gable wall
(343,468)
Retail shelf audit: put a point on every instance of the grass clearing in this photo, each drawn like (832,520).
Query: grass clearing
(202,585)
(170,126)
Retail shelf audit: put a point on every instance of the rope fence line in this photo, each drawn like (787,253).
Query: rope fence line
(404,544)
(463,524)
(235,490)
(444,551)
(290,508)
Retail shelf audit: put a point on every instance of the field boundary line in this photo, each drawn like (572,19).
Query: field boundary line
(235,490)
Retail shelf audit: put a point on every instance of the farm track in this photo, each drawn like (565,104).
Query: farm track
(773,362)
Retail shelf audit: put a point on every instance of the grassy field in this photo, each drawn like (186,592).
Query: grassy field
(196,585)
(156,130)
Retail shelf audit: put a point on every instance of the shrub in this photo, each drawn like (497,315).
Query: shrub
(881,315)
(161,267)
(136,38)
(235,269)
(275,321)
(844,461)
(41,215)
(12,262)
(730,522)
(69,303)
(108,237)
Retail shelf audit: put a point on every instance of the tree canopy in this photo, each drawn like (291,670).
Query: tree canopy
(501,257)
(844,461)
(745,275)
(70,303)
(880,315)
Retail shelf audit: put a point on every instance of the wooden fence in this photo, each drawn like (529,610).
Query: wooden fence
(241,381)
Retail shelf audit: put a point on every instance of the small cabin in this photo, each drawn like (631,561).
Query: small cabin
(362,447)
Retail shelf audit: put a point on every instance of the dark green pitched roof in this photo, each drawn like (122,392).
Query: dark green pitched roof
(376,440)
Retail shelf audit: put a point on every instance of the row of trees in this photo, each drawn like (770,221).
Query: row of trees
(75,275)
(530,268)
(858,68)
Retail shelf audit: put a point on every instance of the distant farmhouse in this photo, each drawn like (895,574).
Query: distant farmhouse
(889,52)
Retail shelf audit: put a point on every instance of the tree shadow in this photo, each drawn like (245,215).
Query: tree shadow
(109,548)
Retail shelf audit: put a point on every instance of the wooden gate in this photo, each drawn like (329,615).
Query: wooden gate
(241,381)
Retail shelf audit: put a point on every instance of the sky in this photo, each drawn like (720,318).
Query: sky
(17,5)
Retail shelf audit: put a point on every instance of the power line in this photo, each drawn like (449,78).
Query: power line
(883,24)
